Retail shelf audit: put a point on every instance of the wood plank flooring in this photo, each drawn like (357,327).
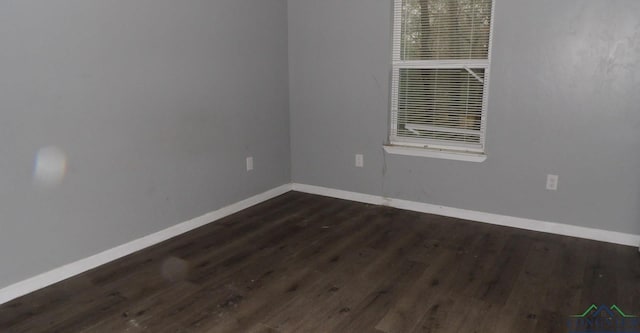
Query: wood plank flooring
(304,263)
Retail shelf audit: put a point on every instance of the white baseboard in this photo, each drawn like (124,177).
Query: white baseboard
(46,279)
(503,220)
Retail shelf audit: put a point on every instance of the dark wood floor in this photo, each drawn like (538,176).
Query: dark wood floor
(303,263)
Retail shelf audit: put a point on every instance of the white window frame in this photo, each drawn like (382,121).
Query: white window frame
(431,147)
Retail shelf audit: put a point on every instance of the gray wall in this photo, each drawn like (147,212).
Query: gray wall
(565,96)
(156,104)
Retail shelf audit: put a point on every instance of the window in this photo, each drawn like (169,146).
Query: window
(441,57)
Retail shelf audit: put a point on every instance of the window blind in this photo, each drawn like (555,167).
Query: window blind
(441,57)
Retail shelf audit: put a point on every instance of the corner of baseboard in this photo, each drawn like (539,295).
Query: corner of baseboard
(56,275)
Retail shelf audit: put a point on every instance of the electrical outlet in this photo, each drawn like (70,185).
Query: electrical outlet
(552,182)
(359,160)
(249,163)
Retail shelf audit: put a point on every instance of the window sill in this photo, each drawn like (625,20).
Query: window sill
(436,153)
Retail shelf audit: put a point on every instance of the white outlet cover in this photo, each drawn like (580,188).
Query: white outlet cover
(552,182)
(359,160)
(249,163)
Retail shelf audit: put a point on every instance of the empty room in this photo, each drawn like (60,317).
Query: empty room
(281,166)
